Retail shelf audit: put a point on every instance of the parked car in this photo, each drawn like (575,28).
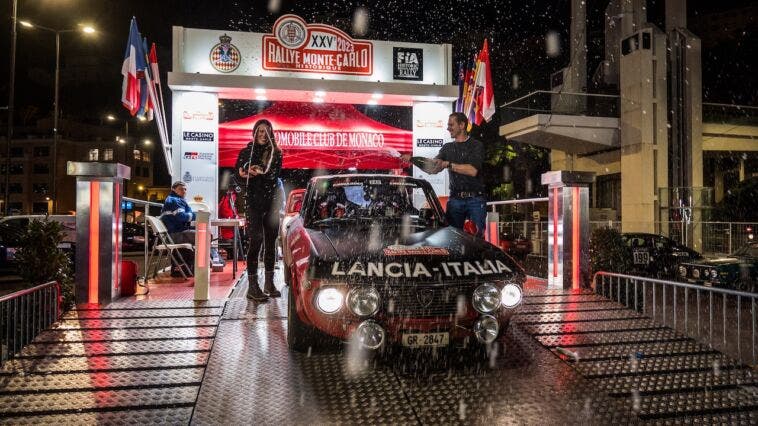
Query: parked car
(516,245)
(366,261)
(737,271)
(133,237)
(12,228)
(657,256)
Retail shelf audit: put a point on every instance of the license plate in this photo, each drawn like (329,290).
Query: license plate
(641,258)
(422,340)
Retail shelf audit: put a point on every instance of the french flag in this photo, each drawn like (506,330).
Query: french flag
(134,63)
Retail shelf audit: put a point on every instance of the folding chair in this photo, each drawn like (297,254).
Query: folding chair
(164,244)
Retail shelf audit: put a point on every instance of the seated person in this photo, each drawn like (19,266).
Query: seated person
(176,214)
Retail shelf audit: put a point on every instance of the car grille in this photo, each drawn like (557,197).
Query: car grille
(424,301)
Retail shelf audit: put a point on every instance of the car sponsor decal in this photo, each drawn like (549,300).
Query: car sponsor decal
(418,269)
(401,250)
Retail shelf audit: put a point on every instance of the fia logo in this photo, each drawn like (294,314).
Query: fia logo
(408,63)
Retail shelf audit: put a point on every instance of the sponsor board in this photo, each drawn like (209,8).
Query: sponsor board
(297,46)
(198,136)
(430,143)
(419,269)
(308,139)
(189,155)
(189,177)
(407,63)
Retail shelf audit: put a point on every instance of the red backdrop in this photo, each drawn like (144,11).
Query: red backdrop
(325,136)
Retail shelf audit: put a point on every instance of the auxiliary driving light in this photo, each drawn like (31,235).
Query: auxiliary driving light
(511,295)
(329,300)
(486,298)
(363,301)
(370,334)
(486,329)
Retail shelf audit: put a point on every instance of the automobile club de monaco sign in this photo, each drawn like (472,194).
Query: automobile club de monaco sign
(296,46)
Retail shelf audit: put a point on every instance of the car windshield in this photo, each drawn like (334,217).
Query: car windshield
(355,199)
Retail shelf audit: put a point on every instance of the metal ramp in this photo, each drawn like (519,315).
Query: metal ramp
(664,376)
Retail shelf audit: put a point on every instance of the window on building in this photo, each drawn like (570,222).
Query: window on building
(146,156)
(41,151)
(17,169)
(137,154)
(630,44)
(646,40)
(16,207)
(108,154)
(39,208)
(40,188)
(608,192)
(15,188)
(17,152)
(41,169)
(93,154)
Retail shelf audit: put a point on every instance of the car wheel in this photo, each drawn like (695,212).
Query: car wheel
(300,337)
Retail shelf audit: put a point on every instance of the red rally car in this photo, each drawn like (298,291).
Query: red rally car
(370,258)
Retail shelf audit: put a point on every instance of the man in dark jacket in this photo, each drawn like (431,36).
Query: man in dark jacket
(177,215)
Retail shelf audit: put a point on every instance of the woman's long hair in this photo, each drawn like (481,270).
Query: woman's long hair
(273,146)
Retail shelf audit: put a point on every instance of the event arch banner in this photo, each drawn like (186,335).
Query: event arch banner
(321,136)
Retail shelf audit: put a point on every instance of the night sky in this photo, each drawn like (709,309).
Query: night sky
(90,79)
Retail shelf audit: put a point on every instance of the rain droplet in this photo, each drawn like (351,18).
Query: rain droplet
(360,21)
(515,81)
(552,44)
(274,6)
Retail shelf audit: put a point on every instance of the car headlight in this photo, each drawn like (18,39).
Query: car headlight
(696,273)
(329,300)
(714,274)
(363,301)
(486,298)
(486,329)
(511,295)
(682,271)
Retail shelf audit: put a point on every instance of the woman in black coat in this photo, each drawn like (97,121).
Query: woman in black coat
(259,166)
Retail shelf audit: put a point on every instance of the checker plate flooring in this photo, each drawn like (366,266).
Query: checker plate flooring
(227,362)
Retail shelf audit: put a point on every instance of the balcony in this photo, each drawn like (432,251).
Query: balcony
(576,123)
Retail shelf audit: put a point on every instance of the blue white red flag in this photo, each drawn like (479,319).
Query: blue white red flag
(146,98)
(134,63)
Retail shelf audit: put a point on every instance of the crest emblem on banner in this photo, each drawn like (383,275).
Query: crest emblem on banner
(291,32)
(225,57)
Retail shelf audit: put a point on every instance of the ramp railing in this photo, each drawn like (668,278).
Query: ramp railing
(26,313)
(721,318)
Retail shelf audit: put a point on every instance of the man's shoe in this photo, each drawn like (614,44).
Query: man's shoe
(269,287)
(253,290)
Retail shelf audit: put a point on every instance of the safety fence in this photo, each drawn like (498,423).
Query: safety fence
(720,318)
(26,313)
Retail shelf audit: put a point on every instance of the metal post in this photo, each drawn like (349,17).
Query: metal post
(11,93)
(56,112)
(147,241)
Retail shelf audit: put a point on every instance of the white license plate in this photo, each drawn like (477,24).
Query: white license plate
(641,258)
(422,340)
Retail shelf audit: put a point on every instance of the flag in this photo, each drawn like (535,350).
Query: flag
(470,103)
(461,83)
(468,85)
(134,62)
(146,98)
(485,99)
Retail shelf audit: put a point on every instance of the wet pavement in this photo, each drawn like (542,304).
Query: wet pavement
(566,358)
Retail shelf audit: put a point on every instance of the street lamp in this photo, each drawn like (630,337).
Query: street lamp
(56,105)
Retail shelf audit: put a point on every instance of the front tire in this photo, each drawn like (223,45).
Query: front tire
(300,337)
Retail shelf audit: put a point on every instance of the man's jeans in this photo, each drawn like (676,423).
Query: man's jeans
(473,208)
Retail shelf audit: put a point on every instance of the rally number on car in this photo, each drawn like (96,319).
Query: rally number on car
(641,257)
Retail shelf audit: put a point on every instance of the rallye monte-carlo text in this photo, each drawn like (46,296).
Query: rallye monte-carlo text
(370,258)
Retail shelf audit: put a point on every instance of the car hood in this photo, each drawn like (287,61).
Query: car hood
(431,255)
(715,261)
